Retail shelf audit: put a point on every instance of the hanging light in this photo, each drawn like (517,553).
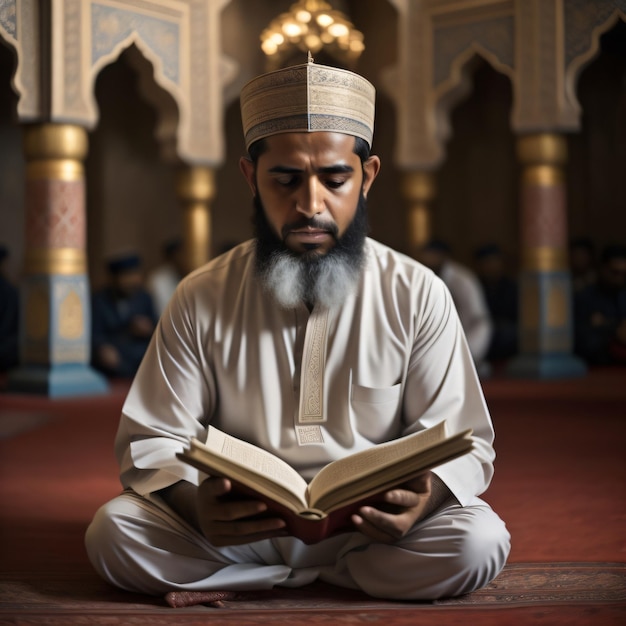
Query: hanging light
(311,25)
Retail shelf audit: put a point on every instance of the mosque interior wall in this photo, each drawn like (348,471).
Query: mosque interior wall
(131,200)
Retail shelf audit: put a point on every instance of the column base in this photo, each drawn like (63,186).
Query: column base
(57,381)
(546,366)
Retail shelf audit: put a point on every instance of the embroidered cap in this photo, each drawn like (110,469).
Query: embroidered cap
(308,98)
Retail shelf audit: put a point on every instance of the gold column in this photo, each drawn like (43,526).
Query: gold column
(55,199)
(55,296)
(196,189)
(544,208)
(419,190)
(545,315)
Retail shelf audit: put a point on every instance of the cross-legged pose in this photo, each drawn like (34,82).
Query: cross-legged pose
(312,341)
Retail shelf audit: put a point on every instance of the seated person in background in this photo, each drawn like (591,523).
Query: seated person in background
(164,279)
(501,295)
(9,316)
(311,341)
(582,263)
(600,312)
(123,319)
(468,298)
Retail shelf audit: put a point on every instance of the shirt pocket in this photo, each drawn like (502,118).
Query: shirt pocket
(375,409)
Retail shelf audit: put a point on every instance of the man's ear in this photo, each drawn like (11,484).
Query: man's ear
(247,168)
(371,167)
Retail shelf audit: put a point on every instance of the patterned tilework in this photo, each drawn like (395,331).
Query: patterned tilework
(8,17)
(495,36)
(544,216)
(581,17)
(546,325)
(111,25)
(70,315)
(57,319)
(55,215)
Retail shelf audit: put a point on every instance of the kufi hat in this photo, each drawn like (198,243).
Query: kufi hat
(308,98)
(123,262)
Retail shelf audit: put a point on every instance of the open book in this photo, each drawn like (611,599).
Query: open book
(324,506)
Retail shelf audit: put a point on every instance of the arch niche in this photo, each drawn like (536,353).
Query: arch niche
(130,169)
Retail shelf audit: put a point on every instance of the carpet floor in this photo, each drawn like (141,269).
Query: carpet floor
(560,485)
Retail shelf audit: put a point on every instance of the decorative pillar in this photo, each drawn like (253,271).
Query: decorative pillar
(545,290)
(196,189)
(419,190)
(55,328)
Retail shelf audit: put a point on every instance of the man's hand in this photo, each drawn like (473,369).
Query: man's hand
(403,508)
(108,356)
(141,326)
(229,522)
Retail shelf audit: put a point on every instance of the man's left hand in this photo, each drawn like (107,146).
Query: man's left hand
(401,510)
(141,326)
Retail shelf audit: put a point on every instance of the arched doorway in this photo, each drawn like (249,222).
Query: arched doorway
(131,193)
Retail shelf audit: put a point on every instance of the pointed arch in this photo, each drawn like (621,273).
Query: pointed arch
(157,88)
(9,40)
(578,63)
(11,49)
(459,84)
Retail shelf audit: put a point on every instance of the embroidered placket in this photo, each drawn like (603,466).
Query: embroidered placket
(311,407)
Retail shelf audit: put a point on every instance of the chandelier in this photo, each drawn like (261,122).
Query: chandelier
(311,25)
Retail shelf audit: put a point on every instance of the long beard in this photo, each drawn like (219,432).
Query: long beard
(310,278)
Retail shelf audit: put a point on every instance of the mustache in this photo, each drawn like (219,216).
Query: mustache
(314,223)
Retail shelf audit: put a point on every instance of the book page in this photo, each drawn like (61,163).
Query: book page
(256,459)
(372,460)
(391,476)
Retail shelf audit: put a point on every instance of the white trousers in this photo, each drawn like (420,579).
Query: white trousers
(141,545)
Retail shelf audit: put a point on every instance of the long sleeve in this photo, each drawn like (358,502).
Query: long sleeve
(442,383)
(392,359)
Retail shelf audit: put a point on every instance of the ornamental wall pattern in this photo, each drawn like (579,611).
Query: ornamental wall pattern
(62,50)
(542,45)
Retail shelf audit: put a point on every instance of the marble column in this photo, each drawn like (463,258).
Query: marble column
(55,319)
(546,325)
(196,189)
(419,191)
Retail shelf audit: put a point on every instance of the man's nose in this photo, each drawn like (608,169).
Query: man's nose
(310,200)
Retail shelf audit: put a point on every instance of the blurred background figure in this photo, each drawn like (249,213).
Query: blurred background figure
(468,298)
(600,312)
(582,262)
(501,295)
(123,318)
(163,280)
(9,316)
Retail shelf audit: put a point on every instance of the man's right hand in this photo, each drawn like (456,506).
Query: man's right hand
(228,522)
(108,357)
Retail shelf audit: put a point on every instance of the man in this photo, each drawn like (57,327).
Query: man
(600,312)
(9,316)
(468,299)
(123,318)
(501,296)
(582,263)
(313,342)
(164,279)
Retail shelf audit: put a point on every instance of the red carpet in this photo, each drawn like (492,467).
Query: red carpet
(560,486)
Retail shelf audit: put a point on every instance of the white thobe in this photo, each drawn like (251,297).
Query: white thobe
(309,387)
(162,283)
(471,305)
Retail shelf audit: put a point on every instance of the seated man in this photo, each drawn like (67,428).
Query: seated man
(9,316)
(164,279)
(468,299)
(312,341)
(501,296)
(600,312)
(123,319)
